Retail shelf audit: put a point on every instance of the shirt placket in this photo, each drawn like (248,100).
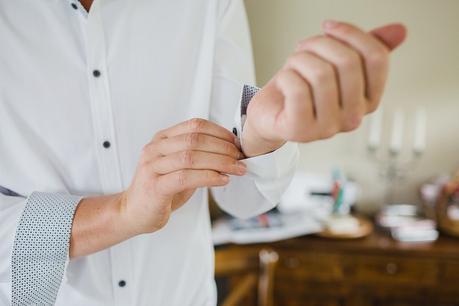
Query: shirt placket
(105,143)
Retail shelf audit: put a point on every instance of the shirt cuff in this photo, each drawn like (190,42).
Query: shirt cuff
(41,246)
(273,171)
(247,94)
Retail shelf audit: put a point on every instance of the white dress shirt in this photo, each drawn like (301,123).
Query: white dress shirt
(80,94)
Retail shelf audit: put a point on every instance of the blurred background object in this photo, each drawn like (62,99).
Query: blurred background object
(392,182)
(424,74)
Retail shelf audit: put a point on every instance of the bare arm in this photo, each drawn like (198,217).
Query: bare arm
(97,225)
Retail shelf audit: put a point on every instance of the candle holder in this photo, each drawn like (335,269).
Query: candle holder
(392,168)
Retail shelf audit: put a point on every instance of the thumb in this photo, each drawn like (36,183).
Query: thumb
(391,35)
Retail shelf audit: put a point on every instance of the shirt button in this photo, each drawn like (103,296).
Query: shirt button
(96,73)
(235,131)
(74,6)
(106,144)
(121,283)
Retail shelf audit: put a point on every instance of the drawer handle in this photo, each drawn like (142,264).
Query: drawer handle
(391,268)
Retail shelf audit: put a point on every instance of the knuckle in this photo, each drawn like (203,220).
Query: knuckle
(181,178)
(146,149)
(322,74)
(192,140)
(144,163)
(350,61)
(228,162)
(187,158)
(304,43)
(291,85)
(159,135)
(283,75)
(295,58)
(314,39)
(229,148)
(378,56)
(196,124)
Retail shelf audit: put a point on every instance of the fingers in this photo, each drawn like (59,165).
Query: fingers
(200,161)
(298,106)
(198,142)
(350,77)
(178,181)
(197,125)
(392,35)
(320,75)
(374,53)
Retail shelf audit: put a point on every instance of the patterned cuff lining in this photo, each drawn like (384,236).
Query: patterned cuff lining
(41,246)
(247,94)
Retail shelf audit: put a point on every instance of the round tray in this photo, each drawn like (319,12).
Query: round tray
(365,229)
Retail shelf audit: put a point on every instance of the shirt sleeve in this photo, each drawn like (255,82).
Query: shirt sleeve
(268,175)
(35,235)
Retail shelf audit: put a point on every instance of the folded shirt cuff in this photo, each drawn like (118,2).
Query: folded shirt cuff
(41,247)
(275,164)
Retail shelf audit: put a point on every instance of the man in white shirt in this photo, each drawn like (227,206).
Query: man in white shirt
(103,171)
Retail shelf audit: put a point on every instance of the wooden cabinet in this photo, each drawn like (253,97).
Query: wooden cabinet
(372,271)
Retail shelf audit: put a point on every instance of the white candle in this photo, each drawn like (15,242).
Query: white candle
(397,133)
(420,131)
(374,138)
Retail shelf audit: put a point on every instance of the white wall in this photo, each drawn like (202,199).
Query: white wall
(424,71)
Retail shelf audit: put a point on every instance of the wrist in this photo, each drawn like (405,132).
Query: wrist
(254,144)
(128,226)
(98,223)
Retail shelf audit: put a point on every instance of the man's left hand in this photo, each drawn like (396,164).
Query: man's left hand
(324,88)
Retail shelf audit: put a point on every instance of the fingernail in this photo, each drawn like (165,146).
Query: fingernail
(330,24)
(241,167)
(224,178)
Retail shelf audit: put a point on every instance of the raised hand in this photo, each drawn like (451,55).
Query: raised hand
(326,87)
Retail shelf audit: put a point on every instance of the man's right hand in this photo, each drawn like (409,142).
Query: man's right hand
(195,153)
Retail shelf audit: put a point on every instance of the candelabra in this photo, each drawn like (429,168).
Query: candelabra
(393,167)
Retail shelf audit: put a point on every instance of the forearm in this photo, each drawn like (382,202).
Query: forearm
(98,225)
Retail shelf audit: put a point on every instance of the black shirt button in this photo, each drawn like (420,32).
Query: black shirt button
(74,6)
(235,131)
(96,73)
(106,144)
(121,283)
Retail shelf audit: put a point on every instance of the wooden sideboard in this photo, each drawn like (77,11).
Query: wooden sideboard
(375,271)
